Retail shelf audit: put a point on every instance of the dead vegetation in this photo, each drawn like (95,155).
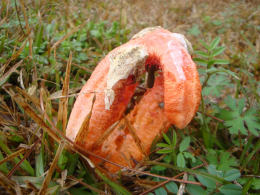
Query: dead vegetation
(48,50)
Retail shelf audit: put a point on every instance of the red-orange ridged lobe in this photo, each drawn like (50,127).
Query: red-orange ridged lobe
(178,87)
(148,120)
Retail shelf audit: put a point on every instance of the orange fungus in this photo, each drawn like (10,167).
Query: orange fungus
(124,135)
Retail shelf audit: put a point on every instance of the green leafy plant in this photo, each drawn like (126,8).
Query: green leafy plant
(170,148)
(223,160)
(212,68)
(220,148)
(239,118)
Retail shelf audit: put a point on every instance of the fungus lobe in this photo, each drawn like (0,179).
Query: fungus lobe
(126,140)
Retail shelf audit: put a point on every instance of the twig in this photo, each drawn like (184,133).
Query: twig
(79,66)
(15,54)
(182,186)
(36,117)
(83,68)
(217,178)
(86,185)
(83,152)
(7,184)
(167,181)
(108,131)
(13,155)
(3,20)
(256,176)
(33,99)
(27,28)
(215,118)
(9,72)
(84,129)
(47,179)
(25,156)
(16,9)
(134,136)
(55,45)
(63,103)
(59,137)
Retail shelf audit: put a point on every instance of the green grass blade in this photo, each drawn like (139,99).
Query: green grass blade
(218,179)
(118,189)
(25,164)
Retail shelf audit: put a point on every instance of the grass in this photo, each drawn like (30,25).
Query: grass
(48,50)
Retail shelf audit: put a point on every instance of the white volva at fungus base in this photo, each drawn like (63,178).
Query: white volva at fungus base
(126,61)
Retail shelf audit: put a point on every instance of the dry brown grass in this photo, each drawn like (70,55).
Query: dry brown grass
(240,19)
(235,21)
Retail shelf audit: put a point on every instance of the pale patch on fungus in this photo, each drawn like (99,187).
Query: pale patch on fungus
(145,31)
(183,41)
(124,62)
